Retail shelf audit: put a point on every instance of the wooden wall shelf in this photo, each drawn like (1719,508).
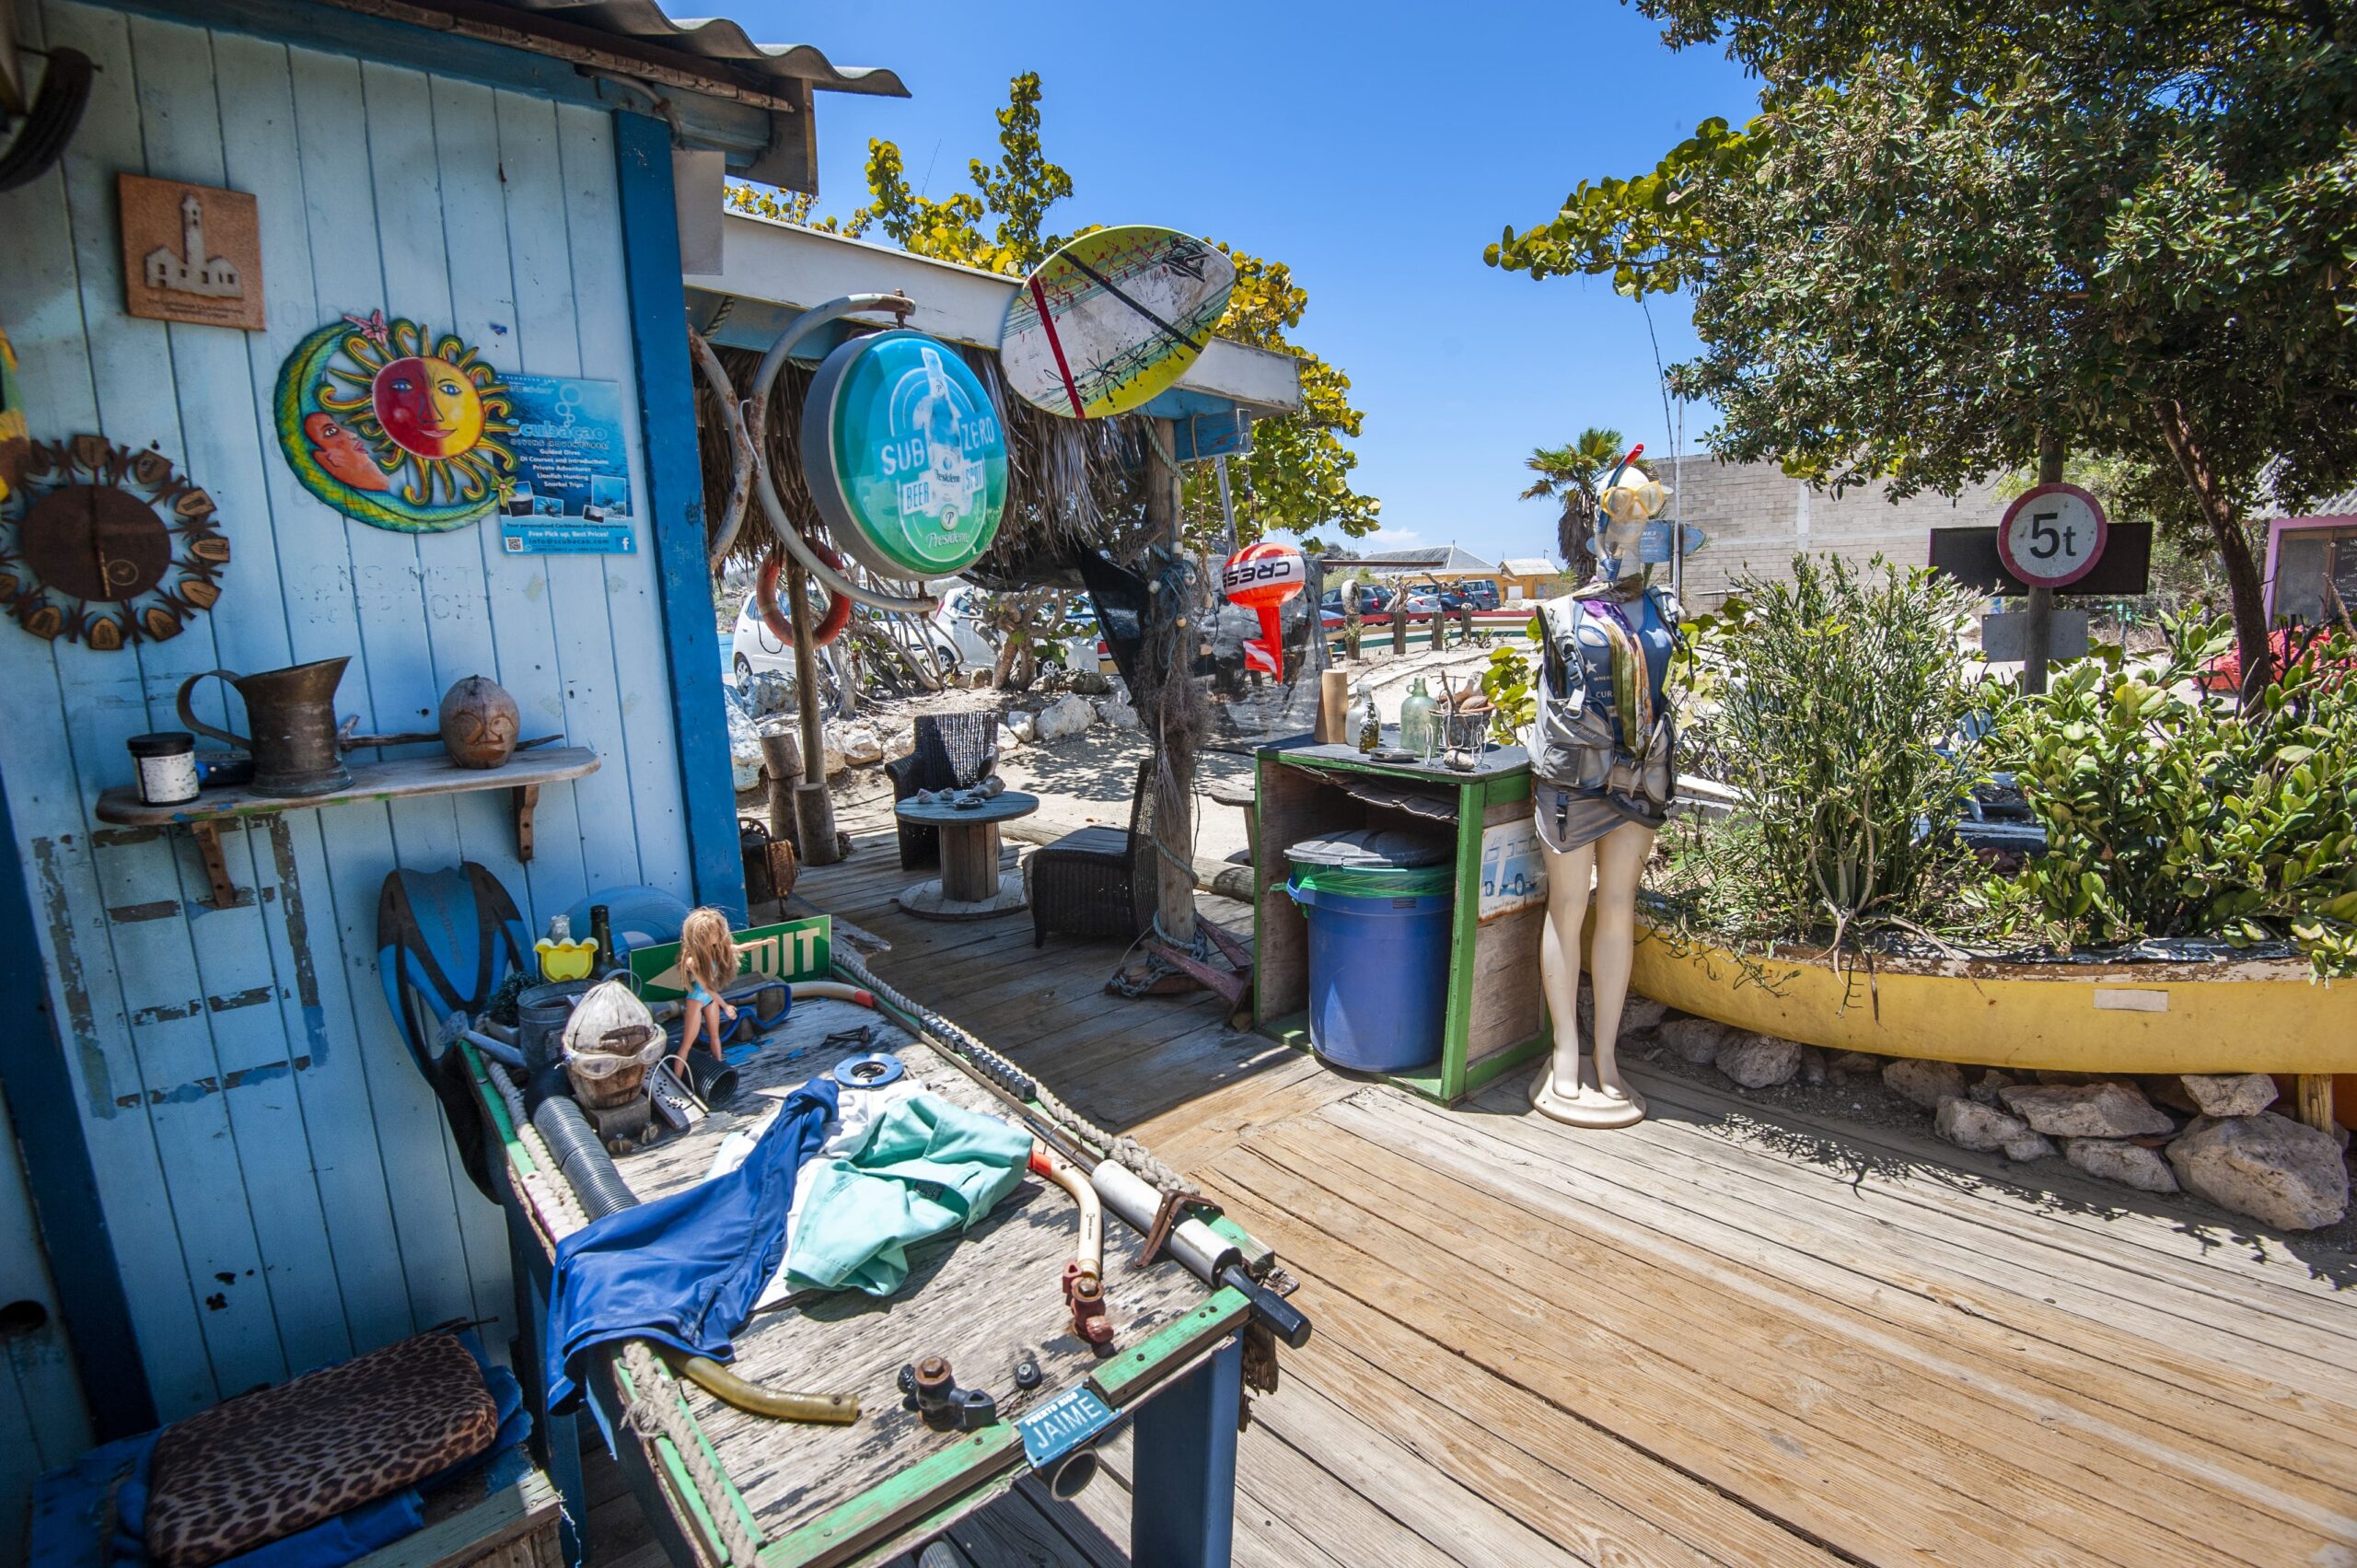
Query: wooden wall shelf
(407,779)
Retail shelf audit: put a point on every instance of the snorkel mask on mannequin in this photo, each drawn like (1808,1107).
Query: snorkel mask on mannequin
(1626,502)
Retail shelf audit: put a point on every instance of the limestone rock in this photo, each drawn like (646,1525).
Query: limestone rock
(2168,1090)
(1639,1013)
(2116,1159)
(1969,1125)
(1007,740)
(2028,1146)
(1090,684)
(2086,1110)
(1025,726)
(2229,1094)
(744,770)
(1117,714)
(1859,1062)
(1064,716)
(1925,1083)
(1986,1087)
(860,746)
(1758,1061)
(2281,1172)
(1696,1040)
(1813,1069)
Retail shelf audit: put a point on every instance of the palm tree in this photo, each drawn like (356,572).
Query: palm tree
(1567,476)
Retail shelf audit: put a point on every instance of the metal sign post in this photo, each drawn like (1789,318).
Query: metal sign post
(2052,535)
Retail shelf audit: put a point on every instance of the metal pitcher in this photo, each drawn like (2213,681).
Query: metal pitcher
(292,714)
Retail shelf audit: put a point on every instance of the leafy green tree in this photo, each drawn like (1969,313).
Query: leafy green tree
(1297,476)
(1969,236)
(1567,475)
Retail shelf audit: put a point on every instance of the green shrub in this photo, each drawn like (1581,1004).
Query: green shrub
(2169,814)
(1835,697)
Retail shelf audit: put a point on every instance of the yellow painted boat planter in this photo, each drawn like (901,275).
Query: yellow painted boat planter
(2191,1017)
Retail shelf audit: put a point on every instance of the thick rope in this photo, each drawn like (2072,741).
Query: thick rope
(649,1413)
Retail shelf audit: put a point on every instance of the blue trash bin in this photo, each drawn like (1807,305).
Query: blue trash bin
(1378,905)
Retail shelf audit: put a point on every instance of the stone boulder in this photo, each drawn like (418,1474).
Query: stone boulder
(2229,1094)
(1924,1083)
(2086,1110)
(1007,740)
(1090,684)
(1813,1069)
(1638,1014)
(1117,714)
(2281,1172)
(2028,1146)
(1065,716)
(2116,1159)
(1695,1040)
(859,745)
(1989,1084)
(1758,1061)
(1969,1125)
(1024,725)
(1857,1064)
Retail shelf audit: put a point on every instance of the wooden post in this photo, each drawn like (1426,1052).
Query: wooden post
(782,759)
(1400,625)
(2037,623)
(814,809)
(1174,781)
(2313,1095)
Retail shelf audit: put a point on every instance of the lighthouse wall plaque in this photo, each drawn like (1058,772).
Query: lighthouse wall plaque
(190,253)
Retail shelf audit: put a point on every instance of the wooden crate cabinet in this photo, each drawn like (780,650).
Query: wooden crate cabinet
(1495,1018)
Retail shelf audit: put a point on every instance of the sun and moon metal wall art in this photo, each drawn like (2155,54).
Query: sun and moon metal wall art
(392,426)
(106,545)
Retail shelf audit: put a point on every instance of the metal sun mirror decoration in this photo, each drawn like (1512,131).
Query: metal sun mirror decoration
(106,545)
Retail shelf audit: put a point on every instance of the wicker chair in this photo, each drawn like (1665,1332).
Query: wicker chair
(1098,881)
(951,751)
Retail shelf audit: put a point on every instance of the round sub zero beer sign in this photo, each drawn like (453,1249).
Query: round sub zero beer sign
(2052,536)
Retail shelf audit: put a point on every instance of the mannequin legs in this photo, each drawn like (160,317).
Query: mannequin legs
(1613,866)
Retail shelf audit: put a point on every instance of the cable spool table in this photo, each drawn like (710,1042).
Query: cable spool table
(969,886)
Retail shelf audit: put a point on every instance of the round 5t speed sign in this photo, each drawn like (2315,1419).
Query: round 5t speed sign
(2052,536)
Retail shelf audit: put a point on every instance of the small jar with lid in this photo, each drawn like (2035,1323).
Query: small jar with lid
(167,764)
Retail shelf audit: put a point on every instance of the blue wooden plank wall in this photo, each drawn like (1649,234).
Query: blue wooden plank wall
(280,1188)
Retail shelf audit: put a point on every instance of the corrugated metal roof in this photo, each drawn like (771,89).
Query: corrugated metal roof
(716,39)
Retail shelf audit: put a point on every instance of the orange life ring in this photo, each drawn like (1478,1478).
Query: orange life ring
(830,625)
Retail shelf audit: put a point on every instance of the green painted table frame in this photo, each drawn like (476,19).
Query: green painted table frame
(1181,1387)
(1478,952)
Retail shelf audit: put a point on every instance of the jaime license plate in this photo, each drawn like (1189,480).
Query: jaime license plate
(1063,1423)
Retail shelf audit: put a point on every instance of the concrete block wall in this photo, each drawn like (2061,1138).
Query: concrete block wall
(1759,518)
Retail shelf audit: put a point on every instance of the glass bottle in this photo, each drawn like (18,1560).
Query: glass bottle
(1370,725)
(1416,720)
(601,932)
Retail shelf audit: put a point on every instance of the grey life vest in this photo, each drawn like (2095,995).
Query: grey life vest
(1579,740)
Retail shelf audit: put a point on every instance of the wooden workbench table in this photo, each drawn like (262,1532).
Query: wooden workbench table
(822,1495)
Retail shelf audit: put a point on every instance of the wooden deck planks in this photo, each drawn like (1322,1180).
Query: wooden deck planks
(1732,1334)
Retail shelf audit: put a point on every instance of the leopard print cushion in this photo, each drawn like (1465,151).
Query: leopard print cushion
(267,1464)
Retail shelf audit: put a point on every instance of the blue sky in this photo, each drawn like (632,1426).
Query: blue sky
(1375,147)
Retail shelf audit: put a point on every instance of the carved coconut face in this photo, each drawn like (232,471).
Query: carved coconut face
(479,723)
